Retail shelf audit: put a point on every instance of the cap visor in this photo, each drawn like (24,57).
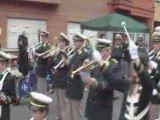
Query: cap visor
(33,108)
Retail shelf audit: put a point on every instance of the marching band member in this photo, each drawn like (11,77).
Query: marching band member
(141,44)
(88,47)
(137,99)
(117,53)
(75,85)
(42,62)
(155,76)
(117,50)
(61,76)
(7,86)
(39,106)
(102,84)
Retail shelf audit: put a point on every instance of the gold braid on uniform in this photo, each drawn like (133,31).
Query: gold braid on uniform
(158,56)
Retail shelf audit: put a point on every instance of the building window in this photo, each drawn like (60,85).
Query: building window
(15,27)
(72,28)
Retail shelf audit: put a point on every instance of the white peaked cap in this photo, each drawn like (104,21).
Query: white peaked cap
(118,36)
(157,29)
(80,35)
(64,36)
(44,33)
(156,33)
(105,41)
(41,97)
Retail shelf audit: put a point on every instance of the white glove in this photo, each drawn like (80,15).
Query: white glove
(3,96)
(154,92)
(96,56)
(152,65)
(133,49)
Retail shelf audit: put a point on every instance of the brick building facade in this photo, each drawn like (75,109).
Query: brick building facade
(157,13)
(58,13)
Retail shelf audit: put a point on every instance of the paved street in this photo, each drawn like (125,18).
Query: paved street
(22,112)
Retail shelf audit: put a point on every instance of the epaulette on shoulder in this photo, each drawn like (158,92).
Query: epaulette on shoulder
(114,60)
(109,62)
(106,64)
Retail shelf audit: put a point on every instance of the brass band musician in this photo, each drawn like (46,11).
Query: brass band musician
(61,76)
(42,62)
(155,76)
(104,79)
(75,85)
(7,85)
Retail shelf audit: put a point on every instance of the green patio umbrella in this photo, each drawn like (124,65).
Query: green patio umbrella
(112,22)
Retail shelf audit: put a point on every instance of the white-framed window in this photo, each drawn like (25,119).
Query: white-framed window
(16,26)
(76,27)
(72,28)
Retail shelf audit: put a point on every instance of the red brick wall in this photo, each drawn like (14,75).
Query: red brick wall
(67,11)
(57,16)
(141,10)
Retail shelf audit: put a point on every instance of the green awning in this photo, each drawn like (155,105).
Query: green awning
(112,22)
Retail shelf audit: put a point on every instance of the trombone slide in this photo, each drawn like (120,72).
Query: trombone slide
(91,66)
(46,52)
(34,46)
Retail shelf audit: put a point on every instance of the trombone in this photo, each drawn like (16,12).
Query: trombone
(70,51)
(44,54)
(5,55)
(31,48)
(88,67)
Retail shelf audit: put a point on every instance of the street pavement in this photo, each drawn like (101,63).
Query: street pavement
(21,112)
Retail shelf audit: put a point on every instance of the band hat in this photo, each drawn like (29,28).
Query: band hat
(141,38)
(44,33)
(103,43)
(63,36)
(156,36)
(7,56)
(39,101)
(79,37)
(118,36)
(157,29)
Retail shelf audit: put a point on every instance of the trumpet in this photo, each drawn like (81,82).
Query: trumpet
(88,66)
